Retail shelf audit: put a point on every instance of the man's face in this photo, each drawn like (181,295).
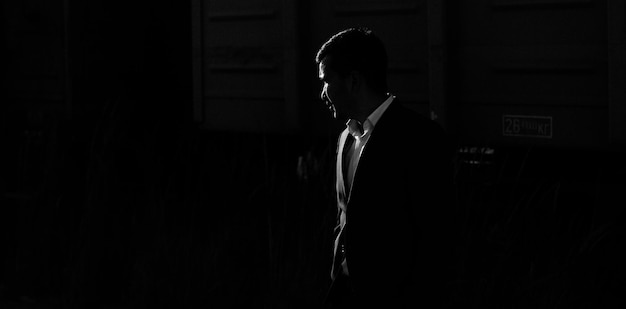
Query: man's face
(335,91)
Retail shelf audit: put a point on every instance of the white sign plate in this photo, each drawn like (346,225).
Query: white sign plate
(527,126)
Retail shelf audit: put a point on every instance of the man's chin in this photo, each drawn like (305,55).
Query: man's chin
(340,118)
(337,115)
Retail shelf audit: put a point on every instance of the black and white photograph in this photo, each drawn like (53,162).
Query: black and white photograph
(313,154)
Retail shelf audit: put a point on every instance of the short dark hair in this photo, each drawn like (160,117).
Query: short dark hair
(357,49)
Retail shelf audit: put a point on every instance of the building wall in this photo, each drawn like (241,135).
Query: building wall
(493,72)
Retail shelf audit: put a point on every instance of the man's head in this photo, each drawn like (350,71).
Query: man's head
(351,60)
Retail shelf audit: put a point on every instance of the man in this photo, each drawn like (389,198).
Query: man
(392,246)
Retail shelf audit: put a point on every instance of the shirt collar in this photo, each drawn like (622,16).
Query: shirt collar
(355,128)
(358,130)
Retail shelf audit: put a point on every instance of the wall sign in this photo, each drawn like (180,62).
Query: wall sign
(527,126)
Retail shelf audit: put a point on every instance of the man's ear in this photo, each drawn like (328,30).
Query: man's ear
(356,81)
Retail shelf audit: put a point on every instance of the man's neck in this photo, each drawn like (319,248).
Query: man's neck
(368,105)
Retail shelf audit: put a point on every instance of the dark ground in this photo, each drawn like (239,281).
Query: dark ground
(201,219)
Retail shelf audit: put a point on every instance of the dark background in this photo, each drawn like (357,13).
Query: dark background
(118,193)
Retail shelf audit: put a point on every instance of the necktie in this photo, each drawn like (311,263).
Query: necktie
(340,256)
(355,134)
(348,150)
(347,157)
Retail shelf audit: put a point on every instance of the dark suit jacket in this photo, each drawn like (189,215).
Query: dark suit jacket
(399,219)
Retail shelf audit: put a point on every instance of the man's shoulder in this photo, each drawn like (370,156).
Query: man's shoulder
(405,124)
(401,117)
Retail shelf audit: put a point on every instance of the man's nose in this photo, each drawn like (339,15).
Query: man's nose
(323,93)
